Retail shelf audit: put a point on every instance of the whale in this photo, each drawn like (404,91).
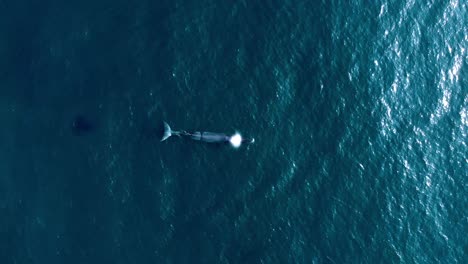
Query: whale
(208,137)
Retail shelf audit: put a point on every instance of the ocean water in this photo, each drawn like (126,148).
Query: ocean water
(359,111)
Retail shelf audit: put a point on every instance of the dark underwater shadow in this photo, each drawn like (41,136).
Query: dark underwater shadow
(82,125)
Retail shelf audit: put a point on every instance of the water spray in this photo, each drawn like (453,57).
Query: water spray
(236,140)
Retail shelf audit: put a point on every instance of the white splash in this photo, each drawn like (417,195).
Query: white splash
(236,140)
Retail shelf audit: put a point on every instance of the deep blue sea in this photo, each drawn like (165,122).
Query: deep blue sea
(359,110)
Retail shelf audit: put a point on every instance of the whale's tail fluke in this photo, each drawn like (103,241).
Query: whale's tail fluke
(167,132)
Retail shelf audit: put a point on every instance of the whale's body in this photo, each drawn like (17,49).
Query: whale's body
(209,137)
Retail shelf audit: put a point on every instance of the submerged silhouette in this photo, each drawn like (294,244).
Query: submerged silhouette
(82,125)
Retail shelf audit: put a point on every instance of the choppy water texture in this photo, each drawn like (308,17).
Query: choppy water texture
(359,110)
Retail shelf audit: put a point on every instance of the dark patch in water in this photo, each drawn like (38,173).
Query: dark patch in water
(82,125)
